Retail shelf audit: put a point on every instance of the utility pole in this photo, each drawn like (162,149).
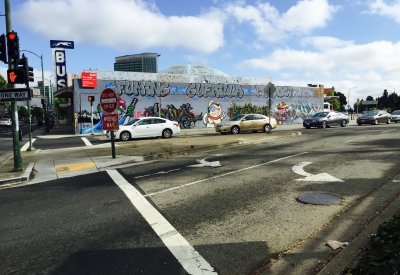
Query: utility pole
(14,107)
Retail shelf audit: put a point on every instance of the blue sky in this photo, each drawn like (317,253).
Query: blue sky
(340,43)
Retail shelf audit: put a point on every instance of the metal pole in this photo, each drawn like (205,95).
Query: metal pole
(45,130)
(14,107)
(91,117)
(30,148)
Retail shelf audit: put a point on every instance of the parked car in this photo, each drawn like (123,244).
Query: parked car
(326,119)
(395,116)
(247,123)
(146,127)
(374,117)
(5,122)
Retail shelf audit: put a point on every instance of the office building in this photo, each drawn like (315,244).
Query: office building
(144,62)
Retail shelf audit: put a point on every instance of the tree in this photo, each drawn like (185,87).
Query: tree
(3,105)
(23,112)
(37,112)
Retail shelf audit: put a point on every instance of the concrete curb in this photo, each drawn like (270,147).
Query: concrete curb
(17,180)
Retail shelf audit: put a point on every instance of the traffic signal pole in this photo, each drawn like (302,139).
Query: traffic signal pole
(14,107)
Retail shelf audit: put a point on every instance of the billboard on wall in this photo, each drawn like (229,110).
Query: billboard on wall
(89,79)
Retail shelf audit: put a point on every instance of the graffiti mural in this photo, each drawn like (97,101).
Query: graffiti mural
(195,105)
(214,114)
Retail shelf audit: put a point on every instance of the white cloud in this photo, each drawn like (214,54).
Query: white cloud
(122,24)
(380,7)
(270,26)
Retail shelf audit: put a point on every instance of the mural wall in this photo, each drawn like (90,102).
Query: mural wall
(194,105)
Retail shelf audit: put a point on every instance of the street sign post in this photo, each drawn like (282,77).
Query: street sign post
(109,102)
(17,94)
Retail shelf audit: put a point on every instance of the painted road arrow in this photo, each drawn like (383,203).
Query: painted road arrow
(298,169)
(203,163)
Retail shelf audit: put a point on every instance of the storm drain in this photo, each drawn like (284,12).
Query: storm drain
(318,199)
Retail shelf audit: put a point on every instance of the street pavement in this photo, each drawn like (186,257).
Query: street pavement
(54,158)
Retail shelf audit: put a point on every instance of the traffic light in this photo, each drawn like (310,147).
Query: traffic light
(16,76)
(28,70)
(13,46)
(91,99)
(3,48)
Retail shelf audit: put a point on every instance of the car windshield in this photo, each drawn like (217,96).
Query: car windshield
(322,114)
(238,117)
(396,113)
(130,121)
(371,113)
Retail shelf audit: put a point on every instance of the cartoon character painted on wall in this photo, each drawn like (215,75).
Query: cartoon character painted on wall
(283,110)
(214,114)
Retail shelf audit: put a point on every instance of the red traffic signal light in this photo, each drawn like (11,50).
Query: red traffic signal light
(16,76)
(11,35)
(13,46)
(90,98)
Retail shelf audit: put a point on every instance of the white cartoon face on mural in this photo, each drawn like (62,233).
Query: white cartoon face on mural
(214,114)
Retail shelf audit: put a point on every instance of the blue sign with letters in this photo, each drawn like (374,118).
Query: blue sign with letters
(61,44)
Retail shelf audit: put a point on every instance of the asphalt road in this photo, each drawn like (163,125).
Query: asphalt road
(235,217)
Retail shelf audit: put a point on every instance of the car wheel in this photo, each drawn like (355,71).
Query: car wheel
(267,129)
(388,121)
(307,127)
(376,122)
(344,123)
(395,121)
(167,133)
(125,136)
(323,124)
(235,130)
(359,123)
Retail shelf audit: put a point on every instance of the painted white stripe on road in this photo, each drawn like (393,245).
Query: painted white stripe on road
(86,141)
(388,131)
(187,256)
(222,175)
(26,146)
(354,139)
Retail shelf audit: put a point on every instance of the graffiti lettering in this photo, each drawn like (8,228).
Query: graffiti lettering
(292,92)
(143,88)
(214,90)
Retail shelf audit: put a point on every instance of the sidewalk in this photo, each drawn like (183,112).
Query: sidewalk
(44,165)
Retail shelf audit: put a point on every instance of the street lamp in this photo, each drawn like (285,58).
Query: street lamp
(348,96)
(394,94)
(44,92)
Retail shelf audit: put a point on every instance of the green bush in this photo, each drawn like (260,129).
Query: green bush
(383,255)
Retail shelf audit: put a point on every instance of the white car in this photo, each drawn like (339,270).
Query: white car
(5,122)
(146,127)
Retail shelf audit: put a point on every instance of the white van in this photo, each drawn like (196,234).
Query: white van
(328,107)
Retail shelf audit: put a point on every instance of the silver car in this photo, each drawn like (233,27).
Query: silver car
(5,122)
(247,123)
(374,117)
(395,116)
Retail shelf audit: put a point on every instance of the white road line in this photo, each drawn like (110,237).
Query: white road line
(388,131)
(26,146)
(222,175)
(354,139)
(187,256)
(396,180)
(86,141)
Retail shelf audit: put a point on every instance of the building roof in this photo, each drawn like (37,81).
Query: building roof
(190,69)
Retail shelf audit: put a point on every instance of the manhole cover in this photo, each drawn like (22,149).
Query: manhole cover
(318,199)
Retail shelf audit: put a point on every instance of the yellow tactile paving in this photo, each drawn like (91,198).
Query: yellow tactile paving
(73,167)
